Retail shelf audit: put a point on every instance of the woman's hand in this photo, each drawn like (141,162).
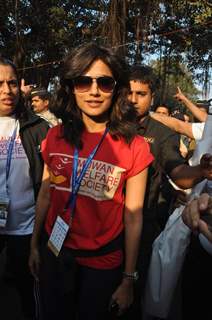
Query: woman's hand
(34,262)
(123,296)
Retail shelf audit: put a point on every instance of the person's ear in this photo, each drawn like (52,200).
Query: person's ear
(46,102)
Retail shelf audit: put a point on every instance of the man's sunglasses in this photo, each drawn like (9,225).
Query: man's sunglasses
(84,83)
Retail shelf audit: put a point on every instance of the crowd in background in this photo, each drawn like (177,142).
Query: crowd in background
(89,177)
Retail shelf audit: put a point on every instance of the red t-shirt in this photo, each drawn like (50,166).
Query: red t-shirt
(98,217)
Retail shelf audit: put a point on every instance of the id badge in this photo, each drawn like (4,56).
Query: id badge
(58,236)
(4,204)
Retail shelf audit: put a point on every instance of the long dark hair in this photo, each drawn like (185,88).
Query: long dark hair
(20,107)
(122,116)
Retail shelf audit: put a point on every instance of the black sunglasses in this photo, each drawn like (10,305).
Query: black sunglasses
(84,83)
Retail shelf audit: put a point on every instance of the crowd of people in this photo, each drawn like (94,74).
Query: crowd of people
(89,177)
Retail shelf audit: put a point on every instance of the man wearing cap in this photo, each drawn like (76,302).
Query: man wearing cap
(40,104)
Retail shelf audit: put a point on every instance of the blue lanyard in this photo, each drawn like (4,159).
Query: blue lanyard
(76,181)
(9,155)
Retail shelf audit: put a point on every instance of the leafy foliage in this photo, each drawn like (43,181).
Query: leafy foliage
(37,34)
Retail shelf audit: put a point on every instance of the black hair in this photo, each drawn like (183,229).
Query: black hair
(20,107)
(40,92)
(178,114)
(122,116)
(144,74)
(163,105)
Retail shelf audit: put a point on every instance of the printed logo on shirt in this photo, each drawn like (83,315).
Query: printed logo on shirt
(149,139)
(100,181)
(18,150)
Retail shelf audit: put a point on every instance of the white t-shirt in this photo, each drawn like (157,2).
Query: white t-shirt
(197,130)
(21,211)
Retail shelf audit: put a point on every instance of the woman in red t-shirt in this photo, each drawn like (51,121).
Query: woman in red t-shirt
(91,198)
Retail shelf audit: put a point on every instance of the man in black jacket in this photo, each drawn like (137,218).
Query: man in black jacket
(164,145)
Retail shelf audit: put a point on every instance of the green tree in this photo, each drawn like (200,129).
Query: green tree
(177,75)
(37,34)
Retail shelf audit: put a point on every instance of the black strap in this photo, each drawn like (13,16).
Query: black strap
(115,244)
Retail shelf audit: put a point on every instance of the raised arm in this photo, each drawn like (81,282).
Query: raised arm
(186,176)
(26,89)
(175,124)
(197,113)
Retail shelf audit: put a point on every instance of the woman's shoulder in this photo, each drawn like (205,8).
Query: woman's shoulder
(139,140)
(54,136)
(56,131)
(136,142)
(140,146)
